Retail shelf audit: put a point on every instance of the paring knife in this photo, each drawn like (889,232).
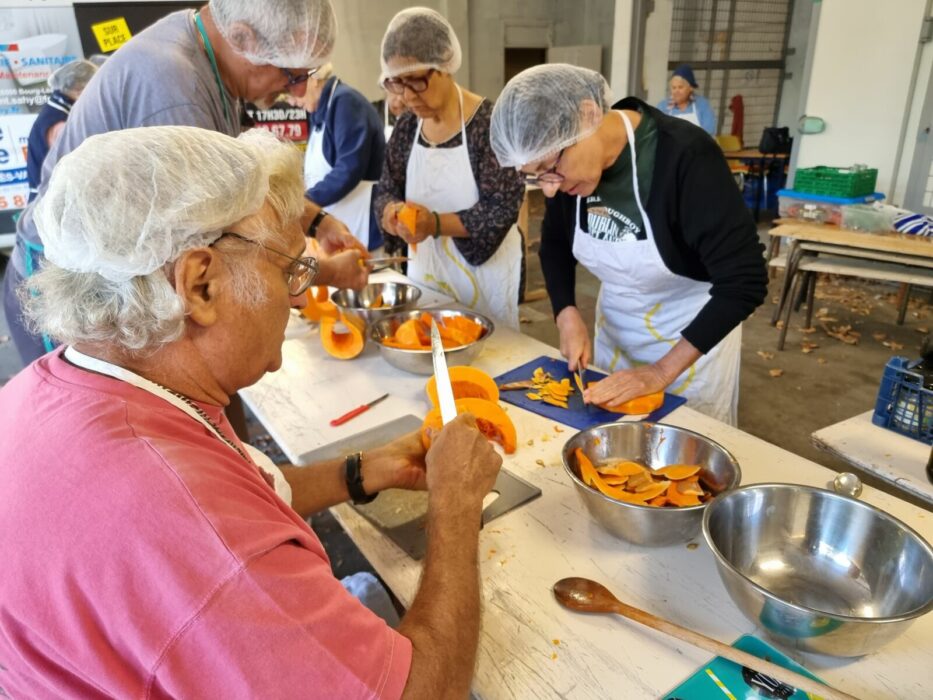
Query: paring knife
(340,420)
(578,378)
(445,392)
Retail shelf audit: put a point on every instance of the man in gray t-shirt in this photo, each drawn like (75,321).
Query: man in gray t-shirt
(194,69)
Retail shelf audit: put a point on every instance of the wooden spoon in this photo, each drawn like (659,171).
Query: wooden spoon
(584,595)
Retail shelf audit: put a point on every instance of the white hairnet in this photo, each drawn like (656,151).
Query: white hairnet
(541,111)
(124,203)
(284,33)
(72,76)
(419,38)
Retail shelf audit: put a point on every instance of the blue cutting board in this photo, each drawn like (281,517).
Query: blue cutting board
(576,414)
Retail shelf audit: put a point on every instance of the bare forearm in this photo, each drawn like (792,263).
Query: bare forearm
(452,226)
(678,359)
(443,622)
(317,486)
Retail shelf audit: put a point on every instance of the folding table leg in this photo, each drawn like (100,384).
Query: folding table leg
(902,310)
(788,307)
(811,293)
(793,254)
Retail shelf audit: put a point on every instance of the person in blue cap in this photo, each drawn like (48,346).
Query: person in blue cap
(686,103)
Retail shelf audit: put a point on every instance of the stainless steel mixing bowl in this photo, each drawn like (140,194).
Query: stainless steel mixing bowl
(396,297)
(419,361)
(819,571)
(654,445)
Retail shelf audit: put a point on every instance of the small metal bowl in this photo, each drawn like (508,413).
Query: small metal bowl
(395,297)
(654,445)
(819,571)
(419,361)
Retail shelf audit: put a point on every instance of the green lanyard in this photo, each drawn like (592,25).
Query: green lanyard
(210,56)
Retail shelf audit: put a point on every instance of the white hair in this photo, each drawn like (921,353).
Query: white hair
(142,312)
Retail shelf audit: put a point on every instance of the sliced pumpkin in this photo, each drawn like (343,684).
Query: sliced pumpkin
(679,498)
(413,334)
(408,217)
(638,405)
(318,305)
(624,468)
(491,420)
(591,477)
(678,472)
(341,338)
(467,383)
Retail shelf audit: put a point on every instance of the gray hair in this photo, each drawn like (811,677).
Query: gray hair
(73,77)
(143,313)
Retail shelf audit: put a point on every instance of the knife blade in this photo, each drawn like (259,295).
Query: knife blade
(445,392)
(578,378)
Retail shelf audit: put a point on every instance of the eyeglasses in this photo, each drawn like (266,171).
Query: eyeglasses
(397,85)
(297,78)
(549,176)
(301,272)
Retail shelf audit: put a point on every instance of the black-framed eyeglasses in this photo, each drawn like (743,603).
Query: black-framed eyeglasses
(298,78)
(418,85)
(549,176)
(301,272)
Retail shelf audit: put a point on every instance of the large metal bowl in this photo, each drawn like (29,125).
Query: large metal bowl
(419,361)
(817,570)
(396,297)
(654,445)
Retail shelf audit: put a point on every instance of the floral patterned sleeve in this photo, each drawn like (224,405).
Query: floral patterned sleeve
(500,189)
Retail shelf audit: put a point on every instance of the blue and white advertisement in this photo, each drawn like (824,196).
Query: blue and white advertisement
(34,42)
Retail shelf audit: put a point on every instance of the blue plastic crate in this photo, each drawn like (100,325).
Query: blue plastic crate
(904,405)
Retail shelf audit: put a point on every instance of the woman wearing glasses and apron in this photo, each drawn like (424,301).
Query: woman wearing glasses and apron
(465,242)
(647,204)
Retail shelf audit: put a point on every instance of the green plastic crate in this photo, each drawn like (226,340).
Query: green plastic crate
(836,182)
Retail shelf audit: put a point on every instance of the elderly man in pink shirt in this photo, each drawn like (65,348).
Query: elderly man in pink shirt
(147,551)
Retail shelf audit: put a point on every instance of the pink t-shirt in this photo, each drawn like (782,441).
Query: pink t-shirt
(143,558)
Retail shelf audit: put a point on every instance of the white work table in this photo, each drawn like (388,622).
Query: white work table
(530,647)
(896,458)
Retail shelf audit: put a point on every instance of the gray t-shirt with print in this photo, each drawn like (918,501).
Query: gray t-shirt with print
(161,77)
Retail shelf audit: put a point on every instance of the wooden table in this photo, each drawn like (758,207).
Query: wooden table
(899,460)
(530,647)
(762,159)
(893,257)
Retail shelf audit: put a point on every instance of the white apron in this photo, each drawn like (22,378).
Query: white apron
(442,179)
(643,307)
(385,120)
(353,209)
(691,117)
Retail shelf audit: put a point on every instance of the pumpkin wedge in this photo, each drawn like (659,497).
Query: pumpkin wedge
(467,383)
(318,305)
(638,405)
(491,420)
(344,342)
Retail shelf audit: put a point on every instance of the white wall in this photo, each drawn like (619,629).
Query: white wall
(913,124)
(657,48)
(789,110)
(621,49)
(483,28)
(860,83)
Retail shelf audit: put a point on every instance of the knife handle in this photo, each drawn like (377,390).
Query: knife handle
(347,416)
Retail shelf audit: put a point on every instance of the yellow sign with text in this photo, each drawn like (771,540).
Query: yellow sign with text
(112,34)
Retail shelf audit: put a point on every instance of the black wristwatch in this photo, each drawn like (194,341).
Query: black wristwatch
(354,475)
(312,229)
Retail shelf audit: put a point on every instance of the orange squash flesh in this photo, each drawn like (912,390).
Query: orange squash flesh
(318,305)
(408,217)
(491,420)
(415,333)
(467,383)
(342,345)
(677,472)
(638,405)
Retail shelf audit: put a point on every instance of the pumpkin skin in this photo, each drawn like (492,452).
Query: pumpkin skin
(343,346)
(318,305)
(491,420)
(467,383)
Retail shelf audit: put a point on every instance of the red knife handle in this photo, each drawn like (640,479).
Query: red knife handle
(347,416)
